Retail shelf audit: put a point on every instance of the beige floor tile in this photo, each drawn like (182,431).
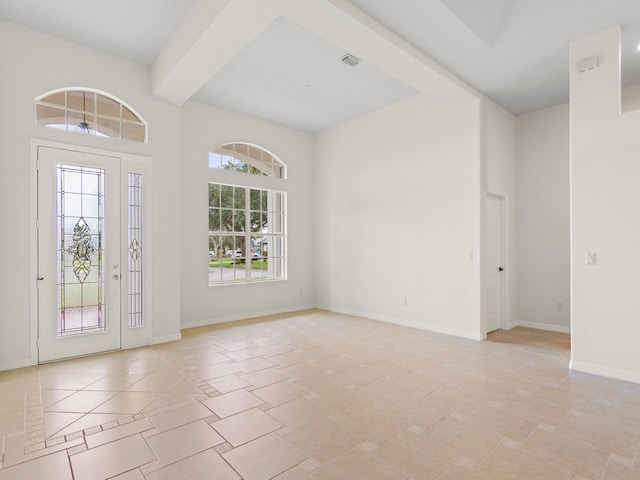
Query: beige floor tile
(179,416)
(413,410)
(279,393)
(231,403)
(206,358)
(613,471)
(483,387)
(185,385)
(566,453)
(264,458)
(262,378)
(448,399)
(324,440)
(117,433)
(318,383)
(600,436)
(298,413)
(14,451)
(115,383)
(130,475)
(252,365)
(156,382)
(54,422)
(455,397)
(629,401)
(228,383)
(507,464)
(296,473)
(184,441)
(288,359)
(202,466)
(12,422)
(575,401)
(460,473)
(68,381)
(51,467)
(171,399)
(619,418)
(215,371)
(591,386)
(49,397)
(497,420)
(246,426)
(81,402)
(538,411)
(111,459)
(87,421)
(419,456)
(127,402)
(358,464)
(472,443)
(377,424)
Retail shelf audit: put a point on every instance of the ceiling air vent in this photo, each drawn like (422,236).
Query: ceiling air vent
(350,60)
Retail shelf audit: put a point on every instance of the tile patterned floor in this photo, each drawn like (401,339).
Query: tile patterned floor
(321,396)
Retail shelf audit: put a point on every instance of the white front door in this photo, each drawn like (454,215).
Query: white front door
(79,238)
(493,263)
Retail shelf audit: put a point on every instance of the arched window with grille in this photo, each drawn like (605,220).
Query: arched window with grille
(91,112)
(247,223)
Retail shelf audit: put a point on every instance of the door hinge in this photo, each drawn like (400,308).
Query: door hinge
(38,342)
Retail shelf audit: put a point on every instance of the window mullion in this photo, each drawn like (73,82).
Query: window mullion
(247,230)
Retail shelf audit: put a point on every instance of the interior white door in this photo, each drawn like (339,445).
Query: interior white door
(78,253)
(494,263)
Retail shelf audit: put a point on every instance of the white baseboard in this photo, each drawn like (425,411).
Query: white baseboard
(624,375)
(167,338)
(25,362)
(243,316)
(542,326)
(407,323)
(511,325)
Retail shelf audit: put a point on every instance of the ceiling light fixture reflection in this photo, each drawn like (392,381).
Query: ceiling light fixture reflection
(84,126)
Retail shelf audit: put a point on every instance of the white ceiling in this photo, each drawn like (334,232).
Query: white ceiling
(275,72)
(279,59)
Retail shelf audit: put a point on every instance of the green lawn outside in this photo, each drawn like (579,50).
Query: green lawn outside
(257,264)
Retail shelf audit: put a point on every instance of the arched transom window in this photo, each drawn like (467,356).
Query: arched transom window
(92,112)
(244,157)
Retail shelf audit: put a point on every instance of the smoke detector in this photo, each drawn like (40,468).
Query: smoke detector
(350,60)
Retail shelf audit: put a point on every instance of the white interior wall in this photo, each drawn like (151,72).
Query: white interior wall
(203,128)
(605,174)
(398,211)
(499,177)
(33,64)
(543,229)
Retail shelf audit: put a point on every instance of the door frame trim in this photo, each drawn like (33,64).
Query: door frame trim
(505,323)
(35,143)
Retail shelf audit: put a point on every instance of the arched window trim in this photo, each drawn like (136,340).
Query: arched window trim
(246,158)
(40,101)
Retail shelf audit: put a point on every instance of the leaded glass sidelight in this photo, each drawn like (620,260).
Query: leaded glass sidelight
(134,219)
(80,250)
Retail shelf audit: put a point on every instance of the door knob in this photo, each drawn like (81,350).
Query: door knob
(500,269)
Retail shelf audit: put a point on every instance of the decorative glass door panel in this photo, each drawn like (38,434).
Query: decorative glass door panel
(81,231)
(78,253)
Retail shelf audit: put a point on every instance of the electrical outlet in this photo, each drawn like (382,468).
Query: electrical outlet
(560,307)
(404,302)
